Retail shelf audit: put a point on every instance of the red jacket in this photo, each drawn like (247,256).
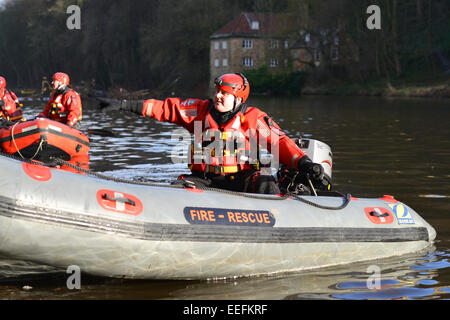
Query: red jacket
(11,109)
(64,106)
(194,115)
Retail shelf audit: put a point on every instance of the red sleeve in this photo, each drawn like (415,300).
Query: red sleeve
(277,141)
(10,105)
(14,97)
(174,110)
(44,113)
(46,110)
(72,101)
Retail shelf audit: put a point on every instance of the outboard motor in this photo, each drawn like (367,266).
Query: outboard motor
(292,181)
(318,152)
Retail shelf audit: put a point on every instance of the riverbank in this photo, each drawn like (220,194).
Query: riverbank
(435,90)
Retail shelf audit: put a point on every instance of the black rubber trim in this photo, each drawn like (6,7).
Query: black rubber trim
(208,233)
(43,130)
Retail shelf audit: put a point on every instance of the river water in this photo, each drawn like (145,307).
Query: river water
(381,146)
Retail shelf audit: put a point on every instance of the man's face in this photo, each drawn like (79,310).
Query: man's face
(224,101)
(56,84)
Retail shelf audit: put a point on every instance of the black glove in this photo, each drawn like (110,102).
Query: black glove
(127,105)
(313,170)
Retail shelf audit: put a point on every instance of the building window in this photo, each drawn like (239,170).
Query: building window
(216,45)
(247,43)
(334,53)
(216,62)
(274,44)
(255,25)
(273,62)
(247,62)
(225,62)
(316,54)
(307,37)
(336,41)
(224,44)
(286,44)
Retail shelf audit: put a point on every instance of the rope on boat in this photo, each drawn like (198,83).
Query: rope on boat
(39,148)
(57,161)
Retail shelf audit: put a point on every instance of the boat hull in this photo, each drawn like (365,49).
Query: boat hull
(42,138)
(161,232)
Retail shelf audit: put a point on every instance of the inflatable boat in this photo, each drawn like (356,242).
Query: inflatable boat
(42,138)
(115,228)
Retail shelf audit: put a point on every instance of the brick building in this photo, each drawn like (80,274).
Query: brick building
(308,50)
(250,41)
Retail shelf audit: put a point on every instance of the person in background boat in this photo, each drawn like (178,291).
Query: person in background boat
(45,86)
(64,104)
(11,109)
(226,117)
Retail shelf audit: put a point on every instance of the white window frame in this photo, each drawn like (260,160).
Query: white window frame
(336,41)
(286,44)
(307,38)
(274,44)
(216,45)
(255,25)
(224,44)
(247,61)
(224,62)
(216,63)
(273,62)
(247,43)
(334,54)
(316,54)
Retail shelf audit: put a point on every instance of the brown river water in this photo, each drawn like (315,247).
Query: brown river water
(381,146)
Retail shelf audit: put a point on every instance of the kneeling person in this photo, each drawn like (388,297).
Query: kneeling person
(227,165)
(10,108)
(65,103)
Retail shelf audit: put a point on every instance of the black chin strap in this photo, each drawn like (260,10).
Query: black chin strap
(224,117)
(63,90)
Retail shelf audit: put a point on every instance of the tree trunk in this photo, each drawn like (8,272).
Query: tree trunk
(395,49)
(430,36)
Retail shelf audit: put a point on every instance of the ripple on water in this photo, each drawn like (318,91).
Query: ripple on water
(435,196)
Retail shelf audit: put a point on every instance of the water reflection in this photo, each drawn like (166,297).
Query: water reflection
(399,280)
(412,276)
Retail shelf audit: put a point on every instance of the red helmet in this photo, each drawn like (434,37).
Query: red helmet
(2,82)
(61,77)
(235,84)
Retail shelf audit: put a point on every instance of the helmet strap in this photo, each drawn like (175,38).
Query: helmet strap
(236,105)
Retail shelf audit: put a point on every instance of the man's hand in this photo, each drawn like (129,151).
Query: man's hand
(127,105)
(313,170)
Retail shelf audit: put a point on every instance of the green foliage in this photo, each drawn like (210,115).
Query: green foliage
(262,81)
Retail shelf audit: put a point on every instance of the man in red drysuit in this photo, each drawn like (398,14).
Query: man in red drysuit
(65,103)
(10,107)
(226,133)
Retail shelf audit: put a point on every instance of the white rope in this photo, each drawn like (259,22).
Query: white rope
(39,149)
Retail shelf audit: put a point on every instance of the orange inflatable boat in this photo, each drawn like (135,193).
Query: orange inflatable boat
(41,139)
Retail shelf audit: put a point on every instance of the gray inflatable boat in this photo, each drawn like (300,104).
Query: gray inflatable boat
(118,229)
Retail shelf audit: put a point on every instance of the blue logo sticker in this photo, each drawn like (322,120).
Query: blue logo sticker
(402,213)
